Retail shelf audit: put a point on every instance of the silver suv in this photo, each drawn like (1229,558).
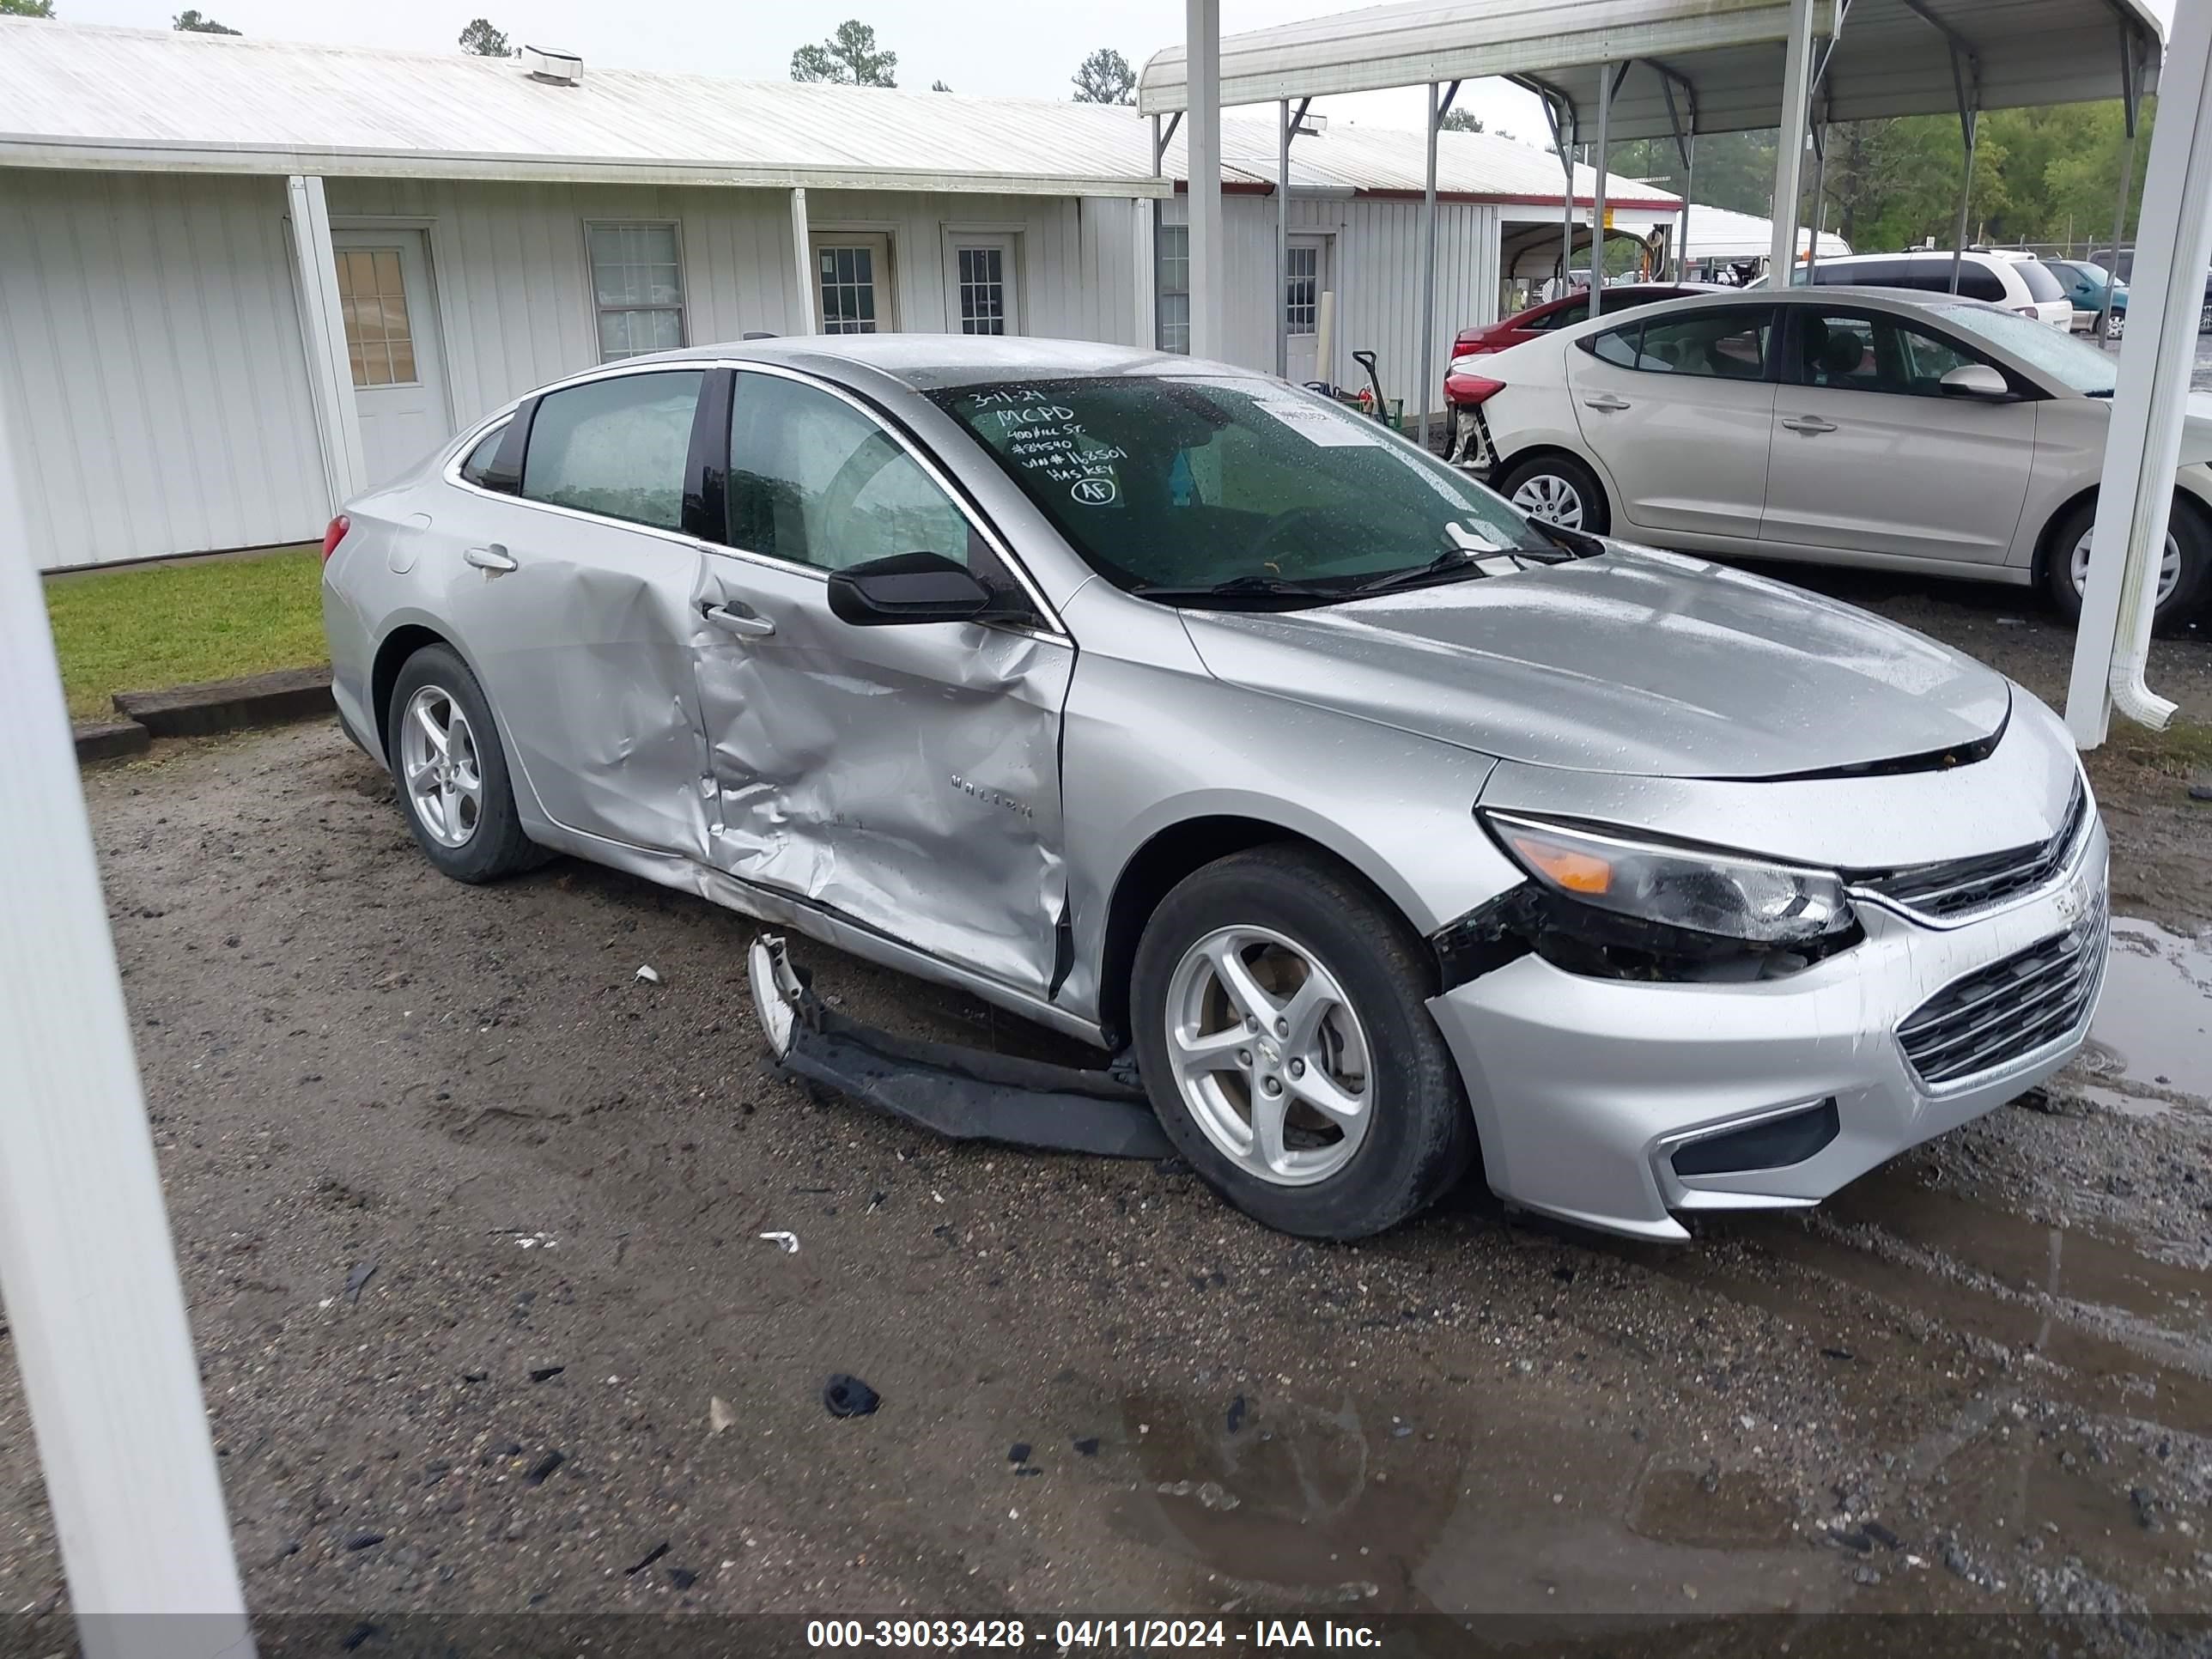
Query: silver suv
(1190,715)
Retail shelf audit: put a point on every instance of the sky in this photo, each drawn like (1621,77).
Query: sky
(1024,50)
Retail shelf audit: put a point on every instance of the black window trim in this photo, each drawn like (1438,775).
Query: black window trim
(1771,370)
(2023,390)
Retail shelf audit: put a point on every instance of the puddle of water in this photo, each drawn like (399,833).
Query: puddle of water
(1470,1502)
(2153,1035)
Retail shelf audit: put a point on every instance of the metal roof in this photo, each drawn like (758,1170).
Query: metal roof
(1351,160)
(148,99)
(1724,57)
(1717,233)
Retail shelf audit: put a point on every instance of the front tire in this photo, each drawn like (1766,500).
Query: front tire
(2184,573)
(1558,489)
(1280,1031)
(446,758)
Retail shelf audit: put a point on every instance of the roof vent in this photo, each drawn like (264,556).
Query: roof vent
(556,68)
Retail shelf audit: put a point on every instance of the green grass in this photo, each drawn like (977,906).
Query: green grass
(163,625)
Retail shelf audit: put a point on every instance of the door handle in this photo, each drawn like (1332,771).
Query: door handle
(1607,402)
(493,558)
(739,622)
(1809,423)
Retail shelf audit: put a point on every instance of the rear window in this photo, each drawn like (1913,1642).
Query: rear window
(477,468)
(2041,284)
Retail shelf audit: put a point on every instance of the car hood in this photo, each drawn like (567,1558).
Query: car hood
(1634,661)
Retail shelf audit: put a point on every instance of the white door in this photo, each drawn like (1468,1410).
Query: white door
(1679,415)
(1305,274)
(982,287)
(391,342)
(853,282)
(1870,457)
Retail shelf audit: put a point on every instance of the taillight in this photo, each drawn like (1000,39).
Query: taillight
(334,534)
(1475,389)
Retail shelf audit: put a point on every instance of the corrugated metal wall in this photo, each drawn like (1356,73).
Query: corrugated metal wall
(1375,268)
(150,354)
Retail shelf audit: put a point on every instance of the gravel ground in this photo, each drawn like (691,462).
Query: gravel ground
(1981,1379)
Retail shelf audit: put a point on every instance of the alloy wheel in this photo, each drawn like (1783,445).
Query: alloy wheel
(440,768)
(2169,567)
(1268,1055)
(1548,497)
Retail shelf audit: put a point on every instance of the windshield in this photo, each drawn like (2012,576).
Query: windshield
(2054,352)
(1188,483)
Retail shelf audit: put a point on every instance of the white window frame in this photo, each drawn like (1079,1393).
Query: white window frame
(682,306)
(1008,242)
(886,278)
(1161,290)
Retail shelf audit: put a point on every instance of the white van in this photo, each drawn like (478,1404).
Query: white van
(2015,282)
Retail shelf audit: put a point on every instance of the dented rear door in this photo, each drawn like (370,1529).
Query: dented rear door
(574,602)
(905,777)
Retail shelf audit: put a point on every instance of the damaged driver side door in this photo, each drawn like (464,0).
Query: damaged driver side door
(906,777)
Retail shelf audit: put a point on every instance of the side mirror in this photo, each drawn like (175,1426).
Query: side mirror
(906,587)
(1975,380)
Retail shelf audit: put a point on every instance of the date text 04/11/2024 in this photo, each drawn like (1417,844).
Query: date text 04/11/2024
(1069,1635)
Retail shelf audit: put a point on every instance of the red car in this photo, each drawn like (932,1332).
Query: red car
(1563,312)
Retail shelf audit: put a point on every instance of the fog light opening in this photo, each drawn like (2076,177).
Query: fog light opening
(1775,1142)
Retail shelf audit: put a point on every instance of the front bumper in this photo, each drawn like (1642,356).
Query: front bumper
(1582,1088)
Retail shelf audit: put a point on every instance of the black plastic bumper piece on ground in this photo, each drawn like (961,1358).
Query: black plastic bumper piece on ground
(964,1094)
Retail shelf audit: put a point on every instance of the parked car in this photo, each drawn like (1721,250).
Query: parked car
(2124,262)
(2017,284)
(1190,715)
(2084,284)
(1850,426)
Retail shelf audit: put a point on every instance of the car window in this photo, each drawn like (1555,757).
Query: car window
(1978,282)
(1874,352)
(2041,284)
(1190,481)
(615,447)
(1725,345)
(479,464)
(815,481)
(1565,317)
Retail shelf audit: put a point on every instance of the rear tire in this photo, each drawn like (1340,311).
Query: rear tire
(2189,554)
(1558,489)
(1394,1131)
(444,751)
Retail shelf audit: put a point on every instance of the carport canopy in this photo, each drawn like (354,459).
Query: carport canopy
(1722,60)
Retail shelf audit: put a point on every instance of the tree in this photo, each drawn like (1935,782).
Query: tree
(938,86)
(1462,121)
(190,22)
(1105,77)
(847,58)
(481,38)
(26,7)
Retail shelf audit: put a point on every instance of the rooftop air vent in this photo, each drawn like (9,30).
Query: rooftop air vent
(557,68)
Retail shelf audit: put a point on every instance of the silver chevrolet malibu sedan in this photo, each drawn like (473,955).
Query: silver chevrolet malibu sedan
(1381,829)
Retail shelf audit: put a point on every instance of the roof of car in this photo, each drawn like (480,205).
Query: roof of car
(929,362)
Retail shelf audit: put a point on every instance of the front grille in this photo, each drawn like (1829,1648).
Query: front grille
(1959,887)
(1996,1014)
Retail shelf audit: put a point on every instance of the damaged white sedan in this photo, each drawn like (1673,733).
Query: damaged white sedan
(1375,828)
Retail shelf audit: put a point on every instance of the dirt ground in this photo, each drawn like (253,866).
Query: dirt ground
(1979,1381)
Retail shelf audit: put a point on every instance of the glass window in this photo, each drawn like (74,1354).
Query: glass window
(815,481)
(1875,353)
(2055,351)
(1575,311)
(982,273)
(372,297)
(1302,288)
(486,452)
(617,446)
(637,282)
(1978,282)
(2042,286)
(1171,287)
(1728,345)
(1176,482)
(848,275)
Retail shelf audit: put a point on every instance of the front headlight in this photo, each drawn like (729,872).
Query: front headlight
(1695,898)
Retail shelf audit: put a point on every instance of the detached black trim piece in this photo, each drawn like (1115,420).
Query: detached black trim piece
(1928,760)
(1776,1143)
(964,1094)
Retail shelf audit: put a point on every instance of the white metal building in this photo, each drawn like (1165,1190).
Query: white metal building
(241,280)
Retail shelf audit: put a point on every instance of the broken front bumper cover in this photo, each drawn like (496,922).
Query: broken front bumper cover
(965,1094)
